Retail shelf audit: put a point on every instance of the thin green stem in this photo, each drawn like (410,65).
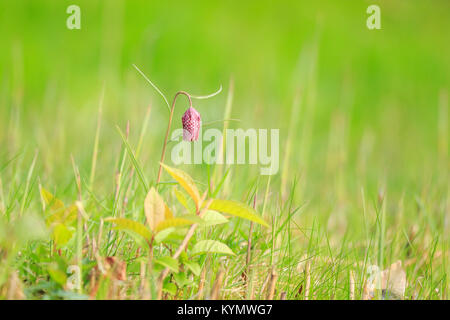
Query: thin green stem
(168,130)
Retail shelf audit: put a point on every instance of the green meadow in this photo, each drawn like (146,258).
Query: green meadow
(359,208)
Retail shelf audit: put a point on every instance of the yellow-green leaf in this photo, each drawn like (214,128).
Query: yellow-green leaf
(155,209)
(173,223)
(55,217)
(63,215)
(61,234)
(211,246)
(193,217)
(181,198)
(237,209)
(51,200)
(58,212)
(70,214)
(186,182)
(130,225)
(212,218)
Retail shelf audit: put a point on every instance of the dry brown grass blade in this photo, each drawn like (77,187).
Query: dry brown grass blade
(352,285)
(366,291)
(215,291)
(263,287)
(201,285)
(307,279)
(142,284)
(272,284)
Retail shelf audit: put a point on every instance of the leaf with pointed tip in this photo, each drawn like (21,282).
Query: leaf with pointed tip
(193,266)
(211,246)
(186,182)
(182,199)
(168,262)
(155,209)
(163,234)
(237,209)
(212,218)
(130,225)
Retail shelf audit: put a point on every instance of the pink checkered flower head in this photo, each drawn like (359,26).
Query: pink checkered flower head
(191,124)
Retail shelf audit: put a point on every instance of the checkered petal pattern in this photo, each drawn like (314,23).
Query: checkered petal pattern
(191,124)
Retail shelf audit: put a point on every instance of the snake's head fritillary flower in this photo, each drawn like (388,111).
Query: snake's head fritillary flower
(191,124)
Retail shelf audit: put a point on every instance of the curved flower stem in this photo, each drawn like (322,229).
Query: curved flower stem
(168,130)
(190,97)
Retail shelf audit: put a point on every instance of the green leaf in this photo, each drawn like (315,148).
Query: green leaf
(58,276)
(183,256)
(61,234)
(237,209)
(212,218)
(211,246)
(173,235)
(163,234)
(140,240)
(181,279)
(194,267)
(186,182)
(130,225)
(168,262)
(170,288)
(155,209)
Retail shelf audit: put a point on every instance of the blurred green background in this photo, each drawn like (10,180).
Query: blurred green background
(363,117)
(372,101)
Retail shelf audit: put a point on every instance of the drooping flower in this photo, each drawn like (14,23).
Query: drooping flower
(191,124)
